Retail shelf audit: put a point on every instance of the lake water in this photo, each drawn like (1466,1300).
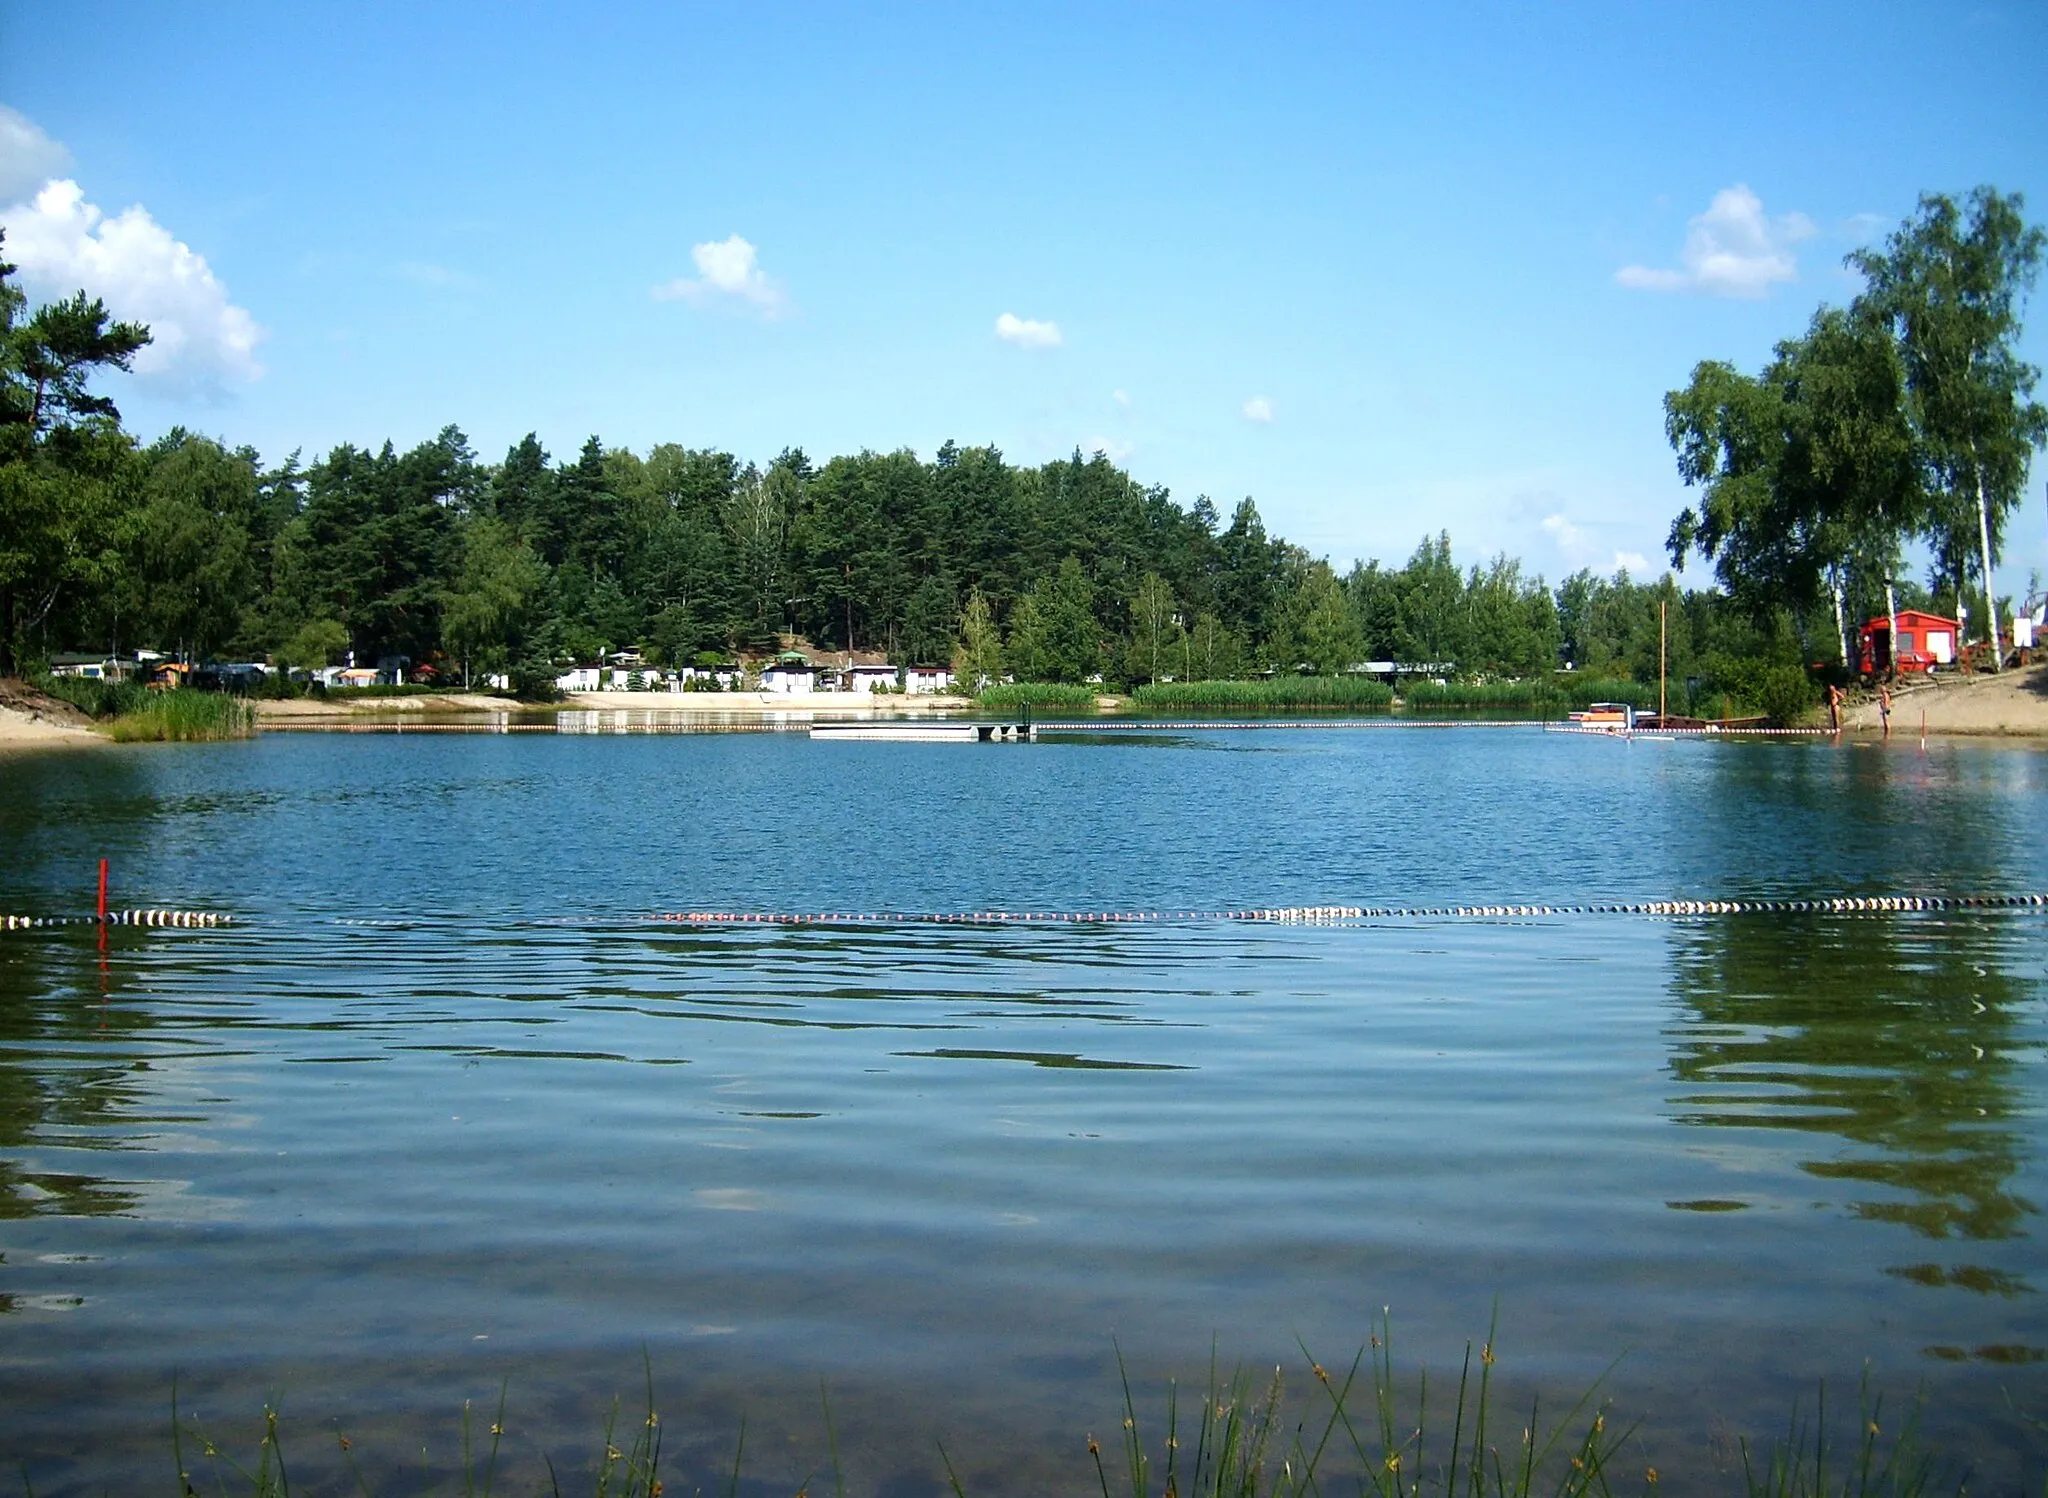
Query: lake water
(444,1112)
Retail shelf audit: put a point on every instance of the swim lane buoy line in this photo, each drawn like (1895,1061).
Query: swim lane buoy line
(1332,914)
(1298,915)
(208,919)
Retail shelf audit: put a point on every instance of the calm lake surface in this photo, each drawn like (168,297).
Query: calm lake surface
(444,1112)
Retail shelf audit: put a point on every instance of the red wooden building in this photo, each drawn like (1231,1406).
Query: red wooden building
(1925,642)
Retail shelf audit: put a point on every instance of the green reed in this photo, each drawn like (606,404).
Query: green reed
(1874,1464)
(1364,1432)
(1278,692)
(1037,694)
(182,715)
(128,712)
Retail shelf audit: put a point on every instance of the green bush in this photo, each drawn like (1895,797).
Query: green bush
(94,697)
(1782,693)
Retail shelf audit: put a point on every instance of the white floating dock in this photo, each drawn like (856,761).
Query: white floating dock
(929,733)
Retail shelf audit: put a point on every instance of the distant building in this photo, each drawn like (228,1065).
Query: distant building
(927,679)
(1926,642)
(93,667)
(880,678)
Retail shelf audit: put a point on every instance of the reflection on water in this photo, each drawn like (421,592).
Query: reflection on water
(443,1110)
(1896,1044)
(64,1083)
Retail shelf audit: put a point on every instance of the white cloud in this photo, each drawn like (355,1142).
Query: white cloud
(1258,408)
(1579,548)
(1569,538)
(28,158)
(1028,332)
(726,268)
(1118,452)
(201,343)
(1122,399)
(1731,250)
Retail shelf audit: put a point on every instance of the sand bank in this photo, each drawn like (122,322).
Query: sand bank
(31,719)
(2011,704)
(268,709)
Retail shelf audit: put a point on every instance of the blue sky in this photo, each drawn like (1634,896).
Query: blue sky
(1387,269)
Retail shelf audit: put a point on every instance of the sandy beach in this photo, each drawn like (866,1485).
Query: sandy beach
(30,719)
(2010,704)
(287,709)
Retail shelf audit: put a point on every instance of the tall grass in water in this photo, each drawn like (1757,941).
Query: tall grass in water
(129,712)
(1037,694)
(1277,692)
(1359,1429)
(182,715)
(1809,1464)
(1363,1433)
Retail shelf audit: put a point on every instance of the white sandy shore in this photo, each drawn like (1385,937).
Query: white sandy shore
(2012,704)
(20,730)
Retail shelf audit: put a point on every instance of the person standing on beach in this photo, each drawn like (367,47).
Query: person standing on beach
(1834,708)
(1884,708)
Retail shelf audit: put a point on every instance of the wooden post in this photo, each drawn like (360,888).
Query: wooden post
(1662,605)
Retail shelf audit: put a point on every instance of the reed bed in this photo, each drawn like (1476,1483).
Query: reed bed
(1037,694)
(1533,695)
(1277,693)
(1360,1428)
(130,713)
(182,715)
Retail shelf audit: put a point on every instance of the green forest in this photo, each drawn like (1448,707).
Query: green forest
(1902,424)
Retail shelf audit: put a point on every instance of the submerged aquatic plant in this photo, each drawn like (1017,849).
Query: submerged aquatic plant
(1365,1433)
(1360,1428)
(1810,1463)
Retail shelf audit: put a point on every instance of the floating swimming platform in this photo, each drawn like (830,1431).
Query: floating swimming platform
(899,730)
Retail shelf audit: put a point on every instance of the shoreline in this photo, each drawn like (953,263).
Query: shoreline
(20,730)
(674,704)
(2010,707)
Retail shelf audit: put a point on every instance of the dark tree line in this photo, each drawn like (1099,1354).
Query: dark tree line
(1905,416)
